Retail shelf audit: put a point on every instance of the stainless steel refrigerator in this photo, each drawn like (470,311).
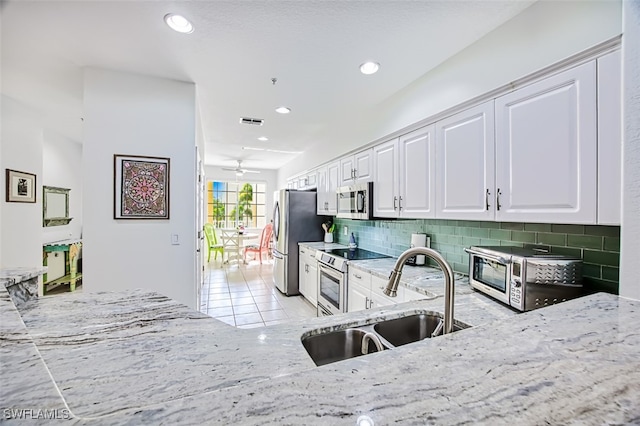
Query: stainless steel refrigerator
(294,220)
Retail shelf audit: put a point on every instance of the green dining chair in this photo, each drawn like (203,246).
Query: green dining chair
(212,242)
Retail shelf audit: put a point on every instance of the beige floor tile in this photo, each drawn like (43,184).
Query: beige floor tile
(269,306)
(228,320)
(219,303)
(245,309)
(265,298)
(220,312)
(274,315)
(241,294)
(245,319)
(219,296)
(244,301)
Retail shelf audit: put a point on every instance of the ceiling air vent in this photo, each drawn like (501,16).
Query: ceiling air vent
(252,121)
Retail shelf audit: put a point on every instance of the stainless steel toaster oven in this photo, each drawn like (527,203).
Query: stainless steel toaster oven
(524,278)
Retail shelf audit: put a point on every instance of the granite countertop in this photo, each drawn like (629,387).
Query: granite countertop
(140,357)
(137,357)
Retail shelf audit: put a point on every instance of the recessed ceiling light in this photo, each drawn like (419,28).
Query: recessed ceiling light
(369,68)
(283,110)
(178,23)
(263,138)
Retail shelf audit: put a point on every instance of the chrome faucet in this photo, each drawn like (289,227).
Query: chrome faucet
(449,285)
(365,342)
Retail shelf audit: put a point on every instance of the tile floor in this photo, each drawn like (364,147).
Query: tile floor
(244,296)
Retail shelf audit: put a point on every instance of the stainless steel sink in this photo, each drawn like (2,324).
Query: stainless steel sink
(336,346)
(412,328)
(344,344)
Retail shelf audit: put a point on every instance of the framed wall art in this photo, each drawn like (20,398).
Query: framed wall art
(141,187)
(21,187)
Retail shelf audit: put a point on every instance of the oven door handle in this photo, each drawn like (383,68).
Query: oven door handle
(498,259)
(330,271)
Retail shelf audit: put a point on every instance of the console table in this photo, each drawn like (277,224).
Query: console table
(61,259)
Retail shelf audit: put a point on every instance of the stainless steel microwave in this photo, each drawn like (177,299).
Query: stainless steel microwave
(524,278)
(355,201)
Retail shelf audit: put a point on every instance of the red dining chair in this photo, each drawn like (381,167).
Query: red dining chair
(263,246)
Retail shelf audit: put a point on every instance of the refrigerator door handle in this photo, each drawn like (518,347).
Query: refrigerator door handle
(277,255)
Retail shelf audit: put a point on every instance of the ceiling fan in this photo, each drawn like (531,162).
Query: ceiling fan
(239,170)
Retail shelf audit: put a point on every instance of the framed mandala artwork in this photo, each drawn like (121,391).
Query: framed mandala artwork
(141,187)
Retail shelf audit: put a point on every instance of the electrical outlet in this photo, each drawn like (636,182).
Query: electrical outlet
(345,230)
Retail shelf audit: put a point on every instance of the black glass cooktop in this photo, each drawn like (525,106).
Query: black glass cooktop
(356,254)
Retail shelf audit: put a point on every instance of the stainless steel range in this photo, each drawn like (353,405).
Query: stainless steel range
(332,277)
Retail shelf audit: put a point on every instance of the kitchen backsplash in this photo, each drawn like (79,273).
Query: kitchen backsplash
(598,246)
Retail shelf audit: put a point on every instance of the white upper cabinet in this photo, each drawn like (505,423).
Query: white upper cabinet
(465,164)
(385,164)
(333,174)
(404,170)
(356,168)
(321,195)
(546,150)
(327,183)
(609,138)
(417,174)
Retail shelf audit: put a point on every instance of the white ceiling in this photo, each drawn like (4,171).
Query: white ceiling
(313,48)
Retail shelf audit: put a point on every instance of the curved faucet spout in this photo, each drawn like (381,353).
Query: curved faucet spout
(365,342)
(449,284)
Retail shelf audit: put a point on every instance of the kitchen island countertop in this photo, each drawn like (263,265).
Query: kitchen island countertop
(137,357)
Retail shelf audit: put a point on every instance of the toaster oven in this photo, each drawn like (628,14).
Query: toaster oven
(524,278)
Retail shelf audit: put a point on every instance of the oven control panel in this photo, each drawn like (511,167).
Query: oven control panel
(515,285)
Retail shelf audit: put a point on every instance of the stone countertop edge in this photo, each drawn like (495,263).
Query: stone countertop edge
(11,276)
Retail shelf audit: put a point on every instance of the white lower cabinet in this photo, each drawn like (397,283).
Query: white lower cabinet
(366,291)
(308,275)
(359,291)
(378,298)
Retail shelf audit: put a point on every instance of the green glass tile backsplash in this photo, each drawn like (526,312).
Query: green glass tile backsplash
(598,246)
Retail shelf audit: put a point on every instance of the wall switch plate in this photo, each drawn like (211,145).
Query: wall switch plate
(175,240)
(345,230)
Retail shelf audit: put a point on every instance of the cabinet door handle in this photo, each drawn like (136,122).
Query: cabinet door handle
(498,193)
(302,251)
(487,199)
(366,303)
(357,276)
(400,204)
(395,203)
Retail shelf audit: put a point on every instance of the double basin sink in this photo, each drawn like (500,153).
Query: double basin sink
(348,343)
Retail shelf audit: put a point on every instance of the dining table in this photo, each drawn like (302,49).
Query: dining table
(233,242)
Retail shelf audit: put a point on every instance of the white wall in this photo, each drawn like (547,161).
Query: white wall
(269,177)
(21,150)
(138,115)
(62,167)
(541,35)
(630,230)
